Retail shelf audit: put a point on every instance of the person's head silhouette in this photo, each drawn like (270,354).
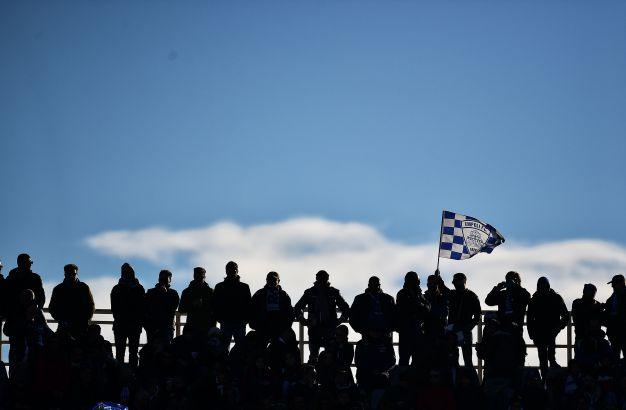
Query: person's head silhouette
(543,285)
(165,278)
(199,274)
(24,262)
(71,272)
(513,279)
(321,277)
(127,272)
(232,269)
(373,285)
(618,282)
(272,279)
(411,280)
(589,291)
(459,280)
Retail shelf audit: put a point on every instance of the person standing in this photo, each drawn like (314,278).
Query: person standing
(322,301)
(71,304)
(464,315)
(615,316)
(587,312)
(231,304)
(197,302)
(19,279)
(272,312)
(511,299)
(412,311)
(547,316)
(127,305)
(160,309)
(373,311)
(437,295)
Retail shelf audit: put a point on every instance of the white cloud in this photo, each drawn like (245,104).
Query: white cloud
(351,252)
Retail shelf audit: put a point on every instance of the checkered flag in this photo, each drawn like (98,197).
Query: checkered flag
(464,236)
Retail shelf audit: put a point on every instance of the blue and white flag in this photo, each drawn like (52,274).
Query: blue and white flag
(464,236)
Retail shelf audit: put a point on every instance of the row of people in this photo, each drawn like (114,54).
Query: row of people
(73,367)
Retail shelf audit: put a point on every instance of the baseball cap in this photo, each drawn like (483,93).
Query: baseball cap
(616,278)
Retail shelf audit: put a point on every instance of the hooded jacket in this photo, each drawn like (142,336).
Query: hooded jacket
(127,305)
(547,315)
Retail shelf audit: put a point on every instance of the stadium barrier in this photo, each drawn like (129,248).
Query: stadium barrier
(302,342)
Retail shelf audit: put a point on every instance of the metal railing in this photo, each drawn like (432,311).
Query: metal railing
(302,342)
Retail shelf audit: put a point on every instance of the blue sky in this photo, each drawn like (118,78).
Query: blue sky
(118,116)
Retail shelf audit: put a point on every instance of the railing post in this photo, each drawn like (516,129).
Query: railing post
(479,339)
(177,324)
(569,342)
(301,340)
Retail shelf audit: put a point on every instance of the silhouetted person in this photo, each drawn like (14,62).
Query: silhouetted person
(232,301)
(71,304)
(511,299)
(586,312)
(464,315)
(322,301)
(547,316)
(127,306)
(437,295)
(373,310)
(615,316)
(272,312)
(197,302)
(32,325)
(504,351)
(373,357)
(19,279)
(160,309)
(412,311)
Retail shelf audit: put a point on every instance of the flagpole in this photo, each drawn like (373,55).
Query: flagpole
(440,235)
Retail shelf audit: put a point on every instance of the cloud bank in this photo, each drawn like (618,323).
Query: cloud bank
(351,252)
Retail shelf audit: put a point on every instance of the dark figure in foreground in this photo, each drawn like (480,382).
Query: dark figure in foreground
(437,294)
(197,302)
(160,309)
(322,301)
(272,313)
(511,299)
(373,315)
(412,310)
(615,316)
(127,305)
(18,280)
(547,316)
(72,304)
(587,312)
(464,315)
(373,311)
(232,302)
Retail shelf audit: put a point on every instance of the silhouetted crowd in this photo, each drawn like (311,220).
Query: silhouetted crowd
(75,367)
